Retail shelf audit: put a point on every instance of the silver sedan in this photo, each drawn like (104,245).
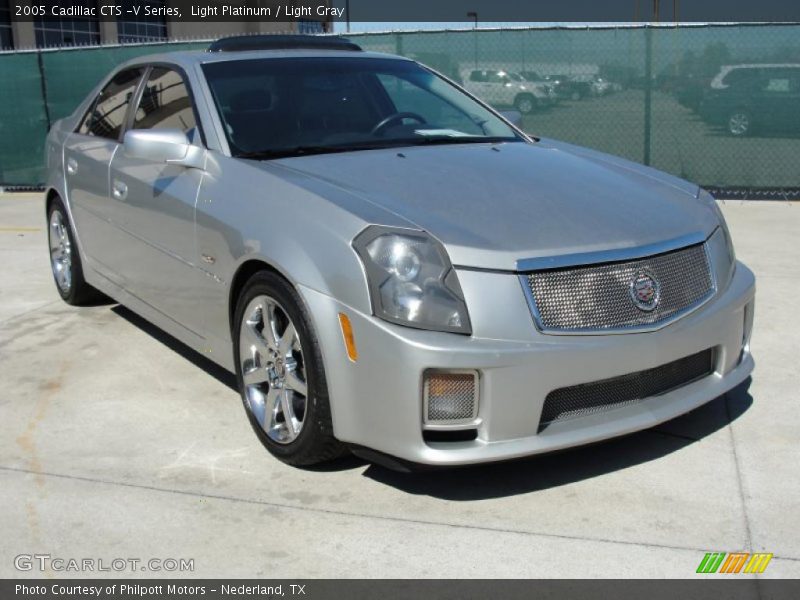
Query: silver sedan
(388,265)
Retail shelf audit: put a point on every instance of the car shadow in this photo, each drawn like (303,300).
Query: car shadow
(509,478)
(222,375)
(552,470)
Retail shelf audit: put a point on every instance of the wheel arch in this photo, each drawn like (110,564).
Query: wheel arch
(50,195)
(240,278)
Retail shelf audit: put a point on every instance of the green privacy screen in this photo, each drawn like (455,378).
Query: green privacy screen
(23,119)
(38,88)
(718,105)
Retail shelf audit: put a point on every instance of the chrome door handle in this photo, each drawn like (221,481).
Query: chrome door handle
(119,190)
(72,166)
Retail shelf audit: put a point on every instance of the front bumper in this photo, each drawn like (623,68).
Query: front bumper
(376,401)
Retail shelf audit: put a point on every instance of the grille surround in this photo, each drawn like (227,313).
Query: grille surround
(608,394)
(595,298)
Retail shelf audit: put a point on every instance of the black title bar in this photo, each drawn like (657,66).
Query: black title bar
(404,11)
(729,588)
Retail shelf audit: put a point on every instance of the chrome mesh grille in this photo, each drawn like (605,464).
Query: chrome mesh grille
(450,396)
(597,297)
(598,396)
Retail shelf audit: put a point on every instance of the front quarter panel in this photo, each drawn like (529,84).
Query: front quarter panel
(247,212)
(54,158)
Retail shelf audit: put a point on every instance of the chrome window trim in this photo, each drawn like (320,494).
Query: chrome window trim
(635,253)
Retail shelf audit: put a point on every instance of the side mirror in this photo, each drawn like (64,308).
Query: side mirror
(170,146)
(512,116)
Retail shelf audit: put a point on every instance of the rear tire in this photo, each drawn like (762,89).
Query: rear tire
(739,123)
(65,259)
(280,373)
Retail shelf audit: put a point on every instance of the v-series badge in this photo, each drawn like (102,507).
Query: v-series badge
(106,10)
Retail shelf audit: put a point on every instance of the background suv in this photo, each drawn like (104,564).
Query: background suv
(746,99)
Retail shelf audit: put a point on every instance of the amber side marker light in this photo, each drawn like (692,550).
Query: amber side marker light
(349,340)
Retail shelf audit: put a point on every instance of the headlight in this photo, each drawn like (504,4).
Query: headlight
(723,225)
(411,281)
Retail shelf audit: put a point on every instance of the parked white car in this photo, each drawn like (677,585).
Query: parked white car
(597,85)
(504,89)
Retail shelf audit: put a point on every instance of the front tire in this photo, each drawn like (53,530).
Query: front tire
(65,260)
(280,373)
(525,103)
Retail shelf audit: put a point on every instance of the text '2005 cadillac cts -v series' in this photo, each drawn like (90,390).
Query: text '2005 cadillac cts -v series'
(386,263)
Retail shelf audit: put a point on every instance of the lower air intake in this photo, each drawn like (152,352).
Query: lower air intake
(598,396)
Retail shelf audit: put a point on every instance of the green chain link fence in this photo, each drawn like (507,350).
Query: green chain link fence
(718,105)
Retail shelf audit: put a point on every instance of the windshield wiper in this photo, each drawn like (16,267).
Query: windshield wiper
(296,151)
(458,139)
(355,146)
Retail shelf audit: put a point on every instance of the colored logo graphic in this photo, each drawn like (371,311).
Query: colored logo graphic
(734,562)
(645,291)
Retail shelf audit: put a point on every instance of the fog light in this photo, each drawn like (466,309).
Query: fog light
(450,397)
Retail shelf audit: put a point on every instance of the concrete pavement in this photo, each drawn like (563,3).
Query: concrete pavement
(118,442)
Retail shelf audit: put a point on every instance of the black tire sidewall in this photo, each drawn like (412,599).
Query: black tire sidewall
(316,421)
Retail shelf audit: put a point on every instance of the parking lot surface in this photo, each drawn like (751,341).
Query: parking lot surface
(681,142)
(118,442)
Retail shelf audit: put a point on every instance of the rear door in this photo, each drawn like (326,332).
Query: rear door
(776,100)
(156,204)
(87,155)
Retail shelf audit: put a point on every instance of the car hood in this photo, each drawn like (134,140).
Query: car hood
(492,205)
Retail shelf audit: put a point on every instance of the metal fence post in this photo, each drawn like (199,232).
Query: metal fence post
(44,88)
(648,90)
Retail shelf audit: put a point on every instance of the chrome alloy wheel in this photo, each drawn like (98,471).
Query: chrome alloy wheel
(273,369)
(739,123)
(60,251)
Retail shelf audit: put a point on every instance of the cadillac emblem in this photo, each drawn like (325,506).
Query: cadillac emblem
(645,291)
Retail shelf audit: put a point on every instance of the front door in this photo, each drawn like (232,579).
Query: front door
(156,205)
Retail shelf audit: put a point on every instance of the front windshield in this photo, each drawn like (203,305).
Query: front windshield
(295,106)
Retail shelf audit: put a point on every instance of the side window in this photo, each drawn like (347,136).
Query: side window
(777,85)
(106,117)
(165,103)
(497,77)
(479,76)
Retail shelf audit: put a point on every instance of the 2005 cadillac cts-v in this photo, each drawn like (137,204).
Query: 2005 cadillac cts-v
(386,263)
